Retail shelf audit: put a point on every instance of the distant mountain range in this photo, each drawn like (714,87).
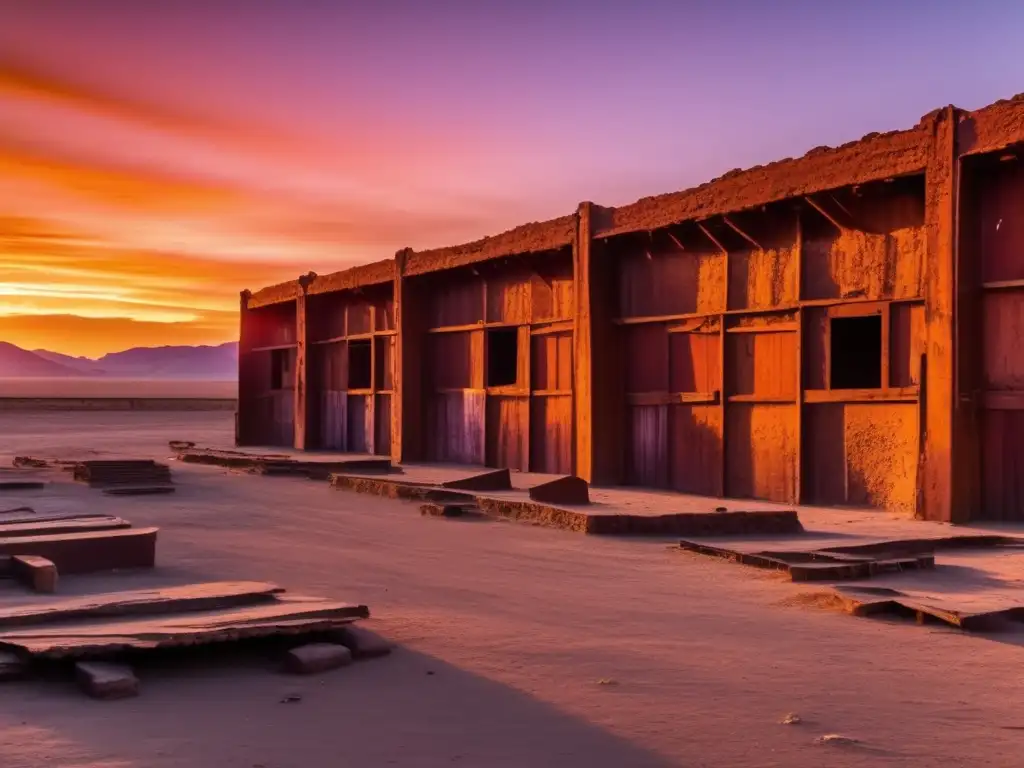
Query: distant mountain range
(218,363)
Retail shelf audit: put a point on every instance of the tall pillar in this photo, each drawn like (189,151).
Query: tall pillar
(407,400)
(245,384)
(301,403)
(598,442)
(943,478)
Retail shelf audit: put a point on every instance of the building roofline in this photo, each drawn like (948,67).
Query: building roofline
(534,237)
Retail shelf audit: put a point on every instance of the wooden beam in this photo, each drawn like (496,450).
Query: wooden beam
(832,219)
(711,237)
(675,240)
(301,415)
(941,186)
(735,228)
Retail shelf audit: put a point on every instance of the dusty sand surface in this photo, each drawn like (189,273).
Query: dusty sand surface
(547,648)
(108,386)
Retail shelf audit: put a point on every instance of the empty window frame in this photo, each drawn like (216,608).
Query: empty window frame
(360,368)
(855,352)
(281,373)
(502,357)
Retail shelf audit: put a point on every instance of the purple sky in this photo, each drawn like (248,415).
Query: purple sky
(319,133)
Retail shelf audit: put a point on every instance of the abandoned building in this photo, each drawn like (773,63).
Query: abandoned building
(837,329)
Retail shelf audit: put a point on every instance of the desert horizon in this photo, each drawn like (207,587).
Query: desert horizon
(105,387)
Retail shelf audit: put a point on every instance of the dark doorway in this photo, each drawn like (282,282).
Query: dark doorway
(502,356)
(359,366)
(856,352)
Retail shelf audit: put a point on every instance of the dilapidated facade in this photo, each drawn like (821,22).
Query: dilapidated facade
(837,329)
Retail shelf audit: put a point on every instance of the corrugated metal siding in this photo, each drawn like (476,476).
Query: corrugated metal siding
(696,449)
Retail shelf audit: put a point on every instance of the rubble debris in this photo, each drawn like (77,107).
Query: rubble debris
(563,490)
(38,573)
(180,445)
(317,657)
(363,643)
(106,681)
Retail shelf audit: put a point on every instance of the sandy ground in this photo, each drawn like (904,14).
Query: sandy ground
(547,648)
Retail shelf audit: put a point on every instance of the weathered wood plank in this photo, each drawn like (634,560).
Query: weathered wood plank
(191,597)
(289,615)
(67,525)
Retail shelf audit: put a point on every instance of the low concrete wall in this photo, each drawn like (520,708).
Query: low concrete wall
(117,404)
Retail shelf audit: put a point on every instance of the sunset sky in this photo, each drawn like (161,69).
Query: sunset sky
(156,158)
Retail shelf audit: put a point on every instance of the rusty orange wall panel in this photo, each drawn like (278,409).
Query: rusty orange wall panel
(1002,454)
(696,449)
(766,276)
(646,348)
(552,293)
(508,432)
(359,431)
(999,224)
(508,297)
(551,434)
(656,281)
(382,425)
(695,362)
(647,449)
(358,312)
(1004,333)
(384,376)
(762,363)
(861,454)
(449,360)
(552,364)
(814,346)
(455,299)
(334,416)
(906,344)
(455,427)
(384,317)
(327,313)
(761,447)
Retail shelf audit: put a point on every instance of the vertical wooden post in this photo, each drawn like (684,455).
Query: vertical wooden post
(582,448)
(242,411)
(940,470)
(798,491)
(301,413)
(407,397)
(599,398)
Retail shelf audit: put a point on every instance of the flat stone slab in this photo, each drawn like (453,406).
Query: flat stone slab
(363,643)
(38,573)
(498,480)
(317,657)
(106,681)
(564,490)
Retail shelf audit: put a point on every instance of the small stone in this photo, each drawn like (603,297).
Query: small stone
(317,657)
(792,719)
(363,643)
(607,681)
(837,740)
(12,666)
(291,698)
(106,681)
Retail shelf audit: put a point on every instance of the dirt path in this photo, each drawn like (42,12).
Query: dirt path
(546,648)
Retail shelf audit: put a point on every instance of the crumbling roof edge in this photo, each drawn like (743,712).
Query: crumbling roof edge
(534,237)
